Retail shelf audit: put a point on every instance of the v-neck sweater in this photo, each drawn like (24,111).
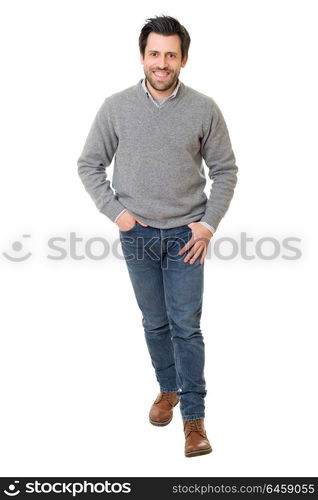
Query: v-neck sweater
(158,171)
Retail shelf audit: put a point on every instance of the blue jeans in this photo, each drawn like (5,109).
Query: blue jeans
(169,294)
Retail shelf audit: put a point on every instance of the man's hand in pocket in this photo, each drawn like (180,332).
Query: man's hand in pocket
(198,243)
(127,221)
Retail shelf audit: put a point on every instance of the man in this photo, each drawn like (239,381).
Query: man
(160,129)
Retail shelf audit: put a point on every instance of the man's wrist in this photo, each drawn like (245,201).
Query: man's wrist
(120,214)
(210,228)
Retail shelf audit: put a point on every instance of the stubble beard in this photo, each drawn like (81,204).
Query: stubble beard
(161,86)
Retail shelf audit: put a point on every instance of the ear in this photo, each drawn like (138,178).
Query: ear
(184,61)
(141,59)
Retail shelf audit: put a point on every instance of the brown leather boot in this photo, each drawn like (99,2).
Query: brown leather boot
(196,442)
(161,412)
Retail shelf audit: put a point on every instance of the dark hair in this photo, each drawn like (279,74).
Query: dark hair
(164,25)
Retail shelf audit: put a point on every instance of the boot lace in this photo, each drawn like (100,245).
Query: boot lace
(167,396)
(195,426)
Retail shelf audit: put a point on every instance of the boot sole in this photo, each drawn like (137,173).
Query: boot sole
(162,424)
(197,453)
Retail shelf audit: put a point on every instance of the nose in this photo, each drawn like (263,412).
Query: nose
(162,63)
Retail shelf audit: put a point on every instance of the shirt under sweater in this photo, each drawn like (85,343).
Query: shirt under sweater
(158,171)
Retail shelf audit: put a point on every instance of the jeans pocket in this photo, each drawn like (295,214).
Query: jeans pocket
(128,230)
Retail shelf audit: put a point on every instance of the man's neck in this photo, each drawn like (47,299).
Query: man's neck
(160,94)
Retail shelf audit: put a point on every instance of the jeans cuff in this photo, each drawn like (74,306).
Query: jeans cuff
(164,389)
(192,417)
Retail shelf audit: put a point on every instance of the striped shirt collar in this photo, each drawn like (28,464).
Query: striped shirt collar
(174,93)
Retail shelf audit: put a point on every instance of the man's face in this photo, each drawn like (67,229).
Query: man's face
(162,61)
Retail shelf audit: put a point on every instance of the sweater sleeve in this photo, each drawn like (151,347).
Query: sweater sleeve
(216,150)
(97,154)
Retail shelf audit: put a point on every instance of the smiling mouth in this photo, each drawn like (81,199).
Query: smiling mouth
(161,75)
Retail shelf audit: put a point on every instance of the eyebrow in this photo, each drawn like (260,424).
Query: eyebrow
(169,51)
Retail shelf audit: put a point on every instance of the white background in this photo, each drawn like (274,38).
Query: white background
(76,378)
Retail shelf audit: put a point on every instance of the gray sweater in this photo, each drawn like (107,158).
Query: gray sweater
(158,172)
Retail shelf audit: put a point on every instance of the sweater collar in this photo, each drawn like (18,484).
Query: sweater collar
(174,93)
(169,103)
